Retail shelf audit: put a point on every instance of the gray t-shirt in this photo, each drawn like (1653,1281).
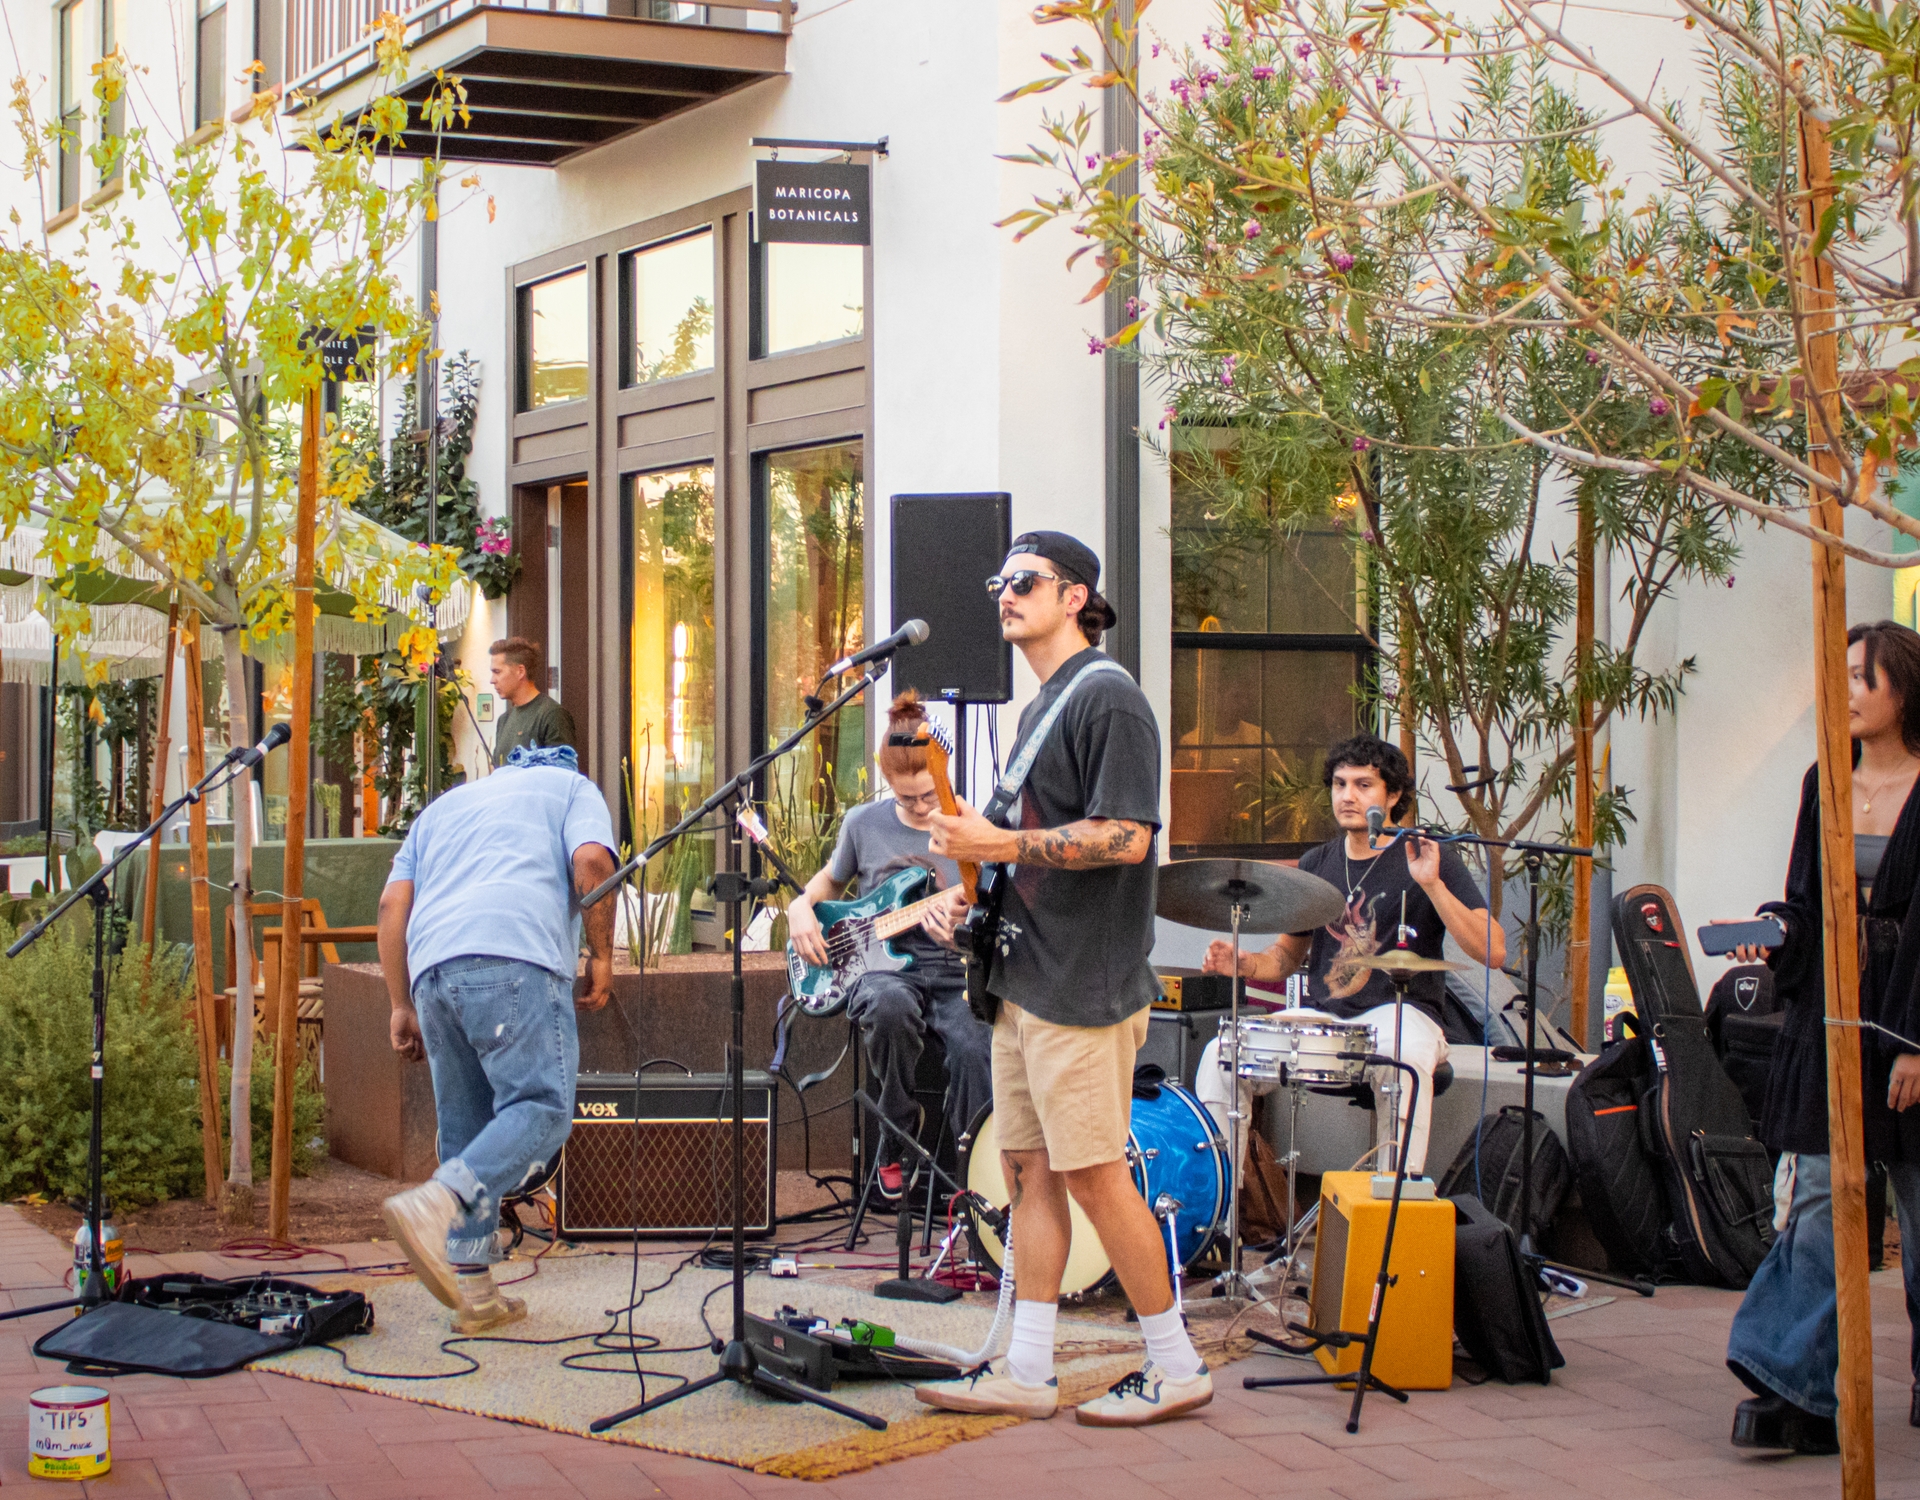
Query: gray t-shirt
(874,844)
(1073,944)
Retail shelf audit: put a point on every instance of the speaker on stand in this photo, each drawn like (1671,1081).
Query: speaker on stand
(945,548)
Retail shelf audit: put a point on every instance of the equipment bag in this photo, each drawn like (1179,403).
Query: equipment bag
(1496,1302)
(1718,1178)
(1620,1187)
(1499,1142)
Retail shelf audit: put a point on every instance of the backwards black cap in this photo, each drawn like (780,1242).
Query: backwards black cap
(1076,561)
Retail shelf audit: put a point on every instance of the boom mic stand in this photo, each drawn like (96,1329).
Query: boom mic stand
(733,888)
(94,1293)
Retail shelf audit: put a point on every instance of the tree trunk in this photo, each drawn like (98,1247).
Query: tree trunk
(1853,1381)
(292,884)
(207,1011)
(1403,709)
(239,1209)
(162,748)
(1580,933)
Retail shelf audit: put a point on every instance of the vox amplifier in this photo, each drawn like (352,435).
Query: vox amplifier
(660,1159)
(1416,1320)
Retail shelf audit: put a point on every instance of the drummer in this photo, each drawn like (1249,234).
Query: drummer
(1426,881)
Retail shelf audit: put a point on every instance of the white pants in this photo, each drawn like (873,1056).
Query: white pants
(1423,1047)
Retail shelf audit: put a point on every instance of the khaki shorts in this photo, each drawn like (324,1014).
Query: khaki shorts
(1065,1089)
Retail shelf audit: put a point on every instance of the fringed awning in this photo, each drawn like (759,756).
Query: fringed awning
(25,648)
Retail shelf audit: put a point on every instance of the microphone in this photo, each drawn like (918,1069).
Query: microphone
(913,633)
(275,738)
(1376,820)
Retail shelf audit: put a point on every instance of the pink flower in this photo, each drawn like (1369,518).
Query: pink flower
(1156,49)
(1251,229)
(1593,356)
(1658,407)
(1304,50)
(1096,345)
(1340,260)
(1226,369)
(1262,73)
(1360,445)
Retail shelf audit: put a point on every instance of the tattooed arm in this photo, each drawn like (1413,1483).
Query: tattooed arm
(1086,845)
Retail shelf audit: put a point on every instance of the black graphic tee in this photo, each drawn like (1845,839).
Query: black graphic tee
(1072,945)
(1371,924)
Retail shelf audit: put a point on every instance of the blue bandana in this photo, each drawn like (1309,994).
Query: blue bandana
(544,755)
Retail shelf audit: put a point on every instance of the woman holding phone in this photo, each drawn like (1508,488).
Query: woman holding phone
(1785,1343)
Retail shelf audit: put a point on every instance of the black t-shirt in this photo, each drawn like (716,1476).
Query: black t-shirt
(1374,888)
(1073,944)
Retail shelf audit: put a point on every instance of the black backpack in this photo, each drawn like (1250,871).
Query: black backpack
(1619,1181)
(1500,1141)
(1496,1300)
(1744,1019)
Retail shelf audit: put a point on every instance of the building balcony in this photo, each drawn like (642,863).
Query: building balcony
(545,79)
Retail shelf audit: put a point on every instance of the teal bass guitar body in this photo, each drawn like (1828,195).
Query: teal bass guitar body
(858,935)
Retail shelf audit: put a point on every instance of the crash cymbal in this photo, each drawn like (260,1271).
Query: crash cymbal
(1272,898)
(1405,961)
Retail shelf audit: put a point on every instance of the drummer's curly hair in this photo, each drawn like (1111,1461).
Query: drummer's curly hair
(1369,750)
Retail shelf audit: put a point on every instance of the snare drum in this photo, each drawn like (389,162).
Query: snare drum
(1297,1049)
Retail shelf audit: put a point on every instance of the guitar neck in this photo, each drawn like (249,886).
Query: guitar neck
(899,920)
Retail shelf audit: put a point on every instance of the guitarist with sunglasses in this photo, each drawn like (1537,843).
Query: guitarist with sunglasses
(896,1009)
(1067,968)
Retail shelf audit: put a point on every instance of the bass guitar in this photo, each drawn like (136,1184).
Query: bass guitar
(984,885)
(858,932)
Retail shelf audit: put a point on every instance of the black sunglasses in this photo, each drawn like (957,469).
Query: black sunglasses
(1021,582)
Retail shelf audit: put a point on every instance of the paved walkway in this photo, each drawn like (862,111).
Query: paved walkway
(1641,1412)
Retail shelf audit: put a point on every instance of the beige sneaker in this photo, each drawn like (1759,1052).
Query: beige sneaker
(1001,1395)
(1145,1397)
(481,1304)
(419,1219)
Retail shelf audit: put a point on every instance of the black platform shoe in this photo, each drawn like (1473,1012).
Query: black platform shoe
(1774,1422)
(1913,1411)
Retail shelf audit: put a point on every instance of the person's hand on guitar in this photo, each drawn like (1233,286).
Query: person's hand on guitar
(803,930)
(966,835)
(944,915)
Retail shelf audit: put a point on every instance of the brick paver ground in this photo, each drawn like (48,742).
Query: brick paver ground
(1640,1412)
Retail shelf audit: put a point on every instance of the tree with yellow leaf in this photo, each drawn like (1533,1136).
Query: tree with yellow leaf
(148,381)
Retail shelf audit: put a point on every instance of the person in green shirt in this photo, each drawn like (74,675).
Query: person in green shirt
(532,718)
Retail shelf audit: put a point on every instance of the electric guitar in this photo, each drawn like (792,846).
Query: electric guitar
(858,932)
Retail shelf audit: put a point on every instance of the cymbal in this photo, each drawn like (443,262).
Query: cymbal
(1406,961)
(1272,898)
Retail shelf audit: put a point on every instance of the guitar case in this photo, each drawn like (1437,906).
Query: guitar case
(1694,1123)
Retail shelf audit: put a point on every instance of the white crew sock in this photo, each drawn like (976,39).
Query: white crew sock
(1030,1355)
(1168,1345)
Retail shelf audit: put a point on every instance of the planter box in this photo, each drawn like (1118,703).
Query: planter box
(380,1108)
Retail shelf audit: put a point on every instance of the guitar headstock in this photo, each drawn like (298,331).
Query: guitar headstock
(939,748)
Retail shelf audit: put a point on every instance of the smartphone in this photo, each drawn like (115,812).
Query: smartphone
(1718,938)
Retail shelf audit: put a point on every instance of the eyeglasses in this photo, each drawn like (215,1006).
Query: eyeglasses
(926,800)
(1021,582)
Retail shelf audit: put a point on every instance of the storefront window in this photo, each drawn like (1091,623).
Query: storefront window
(812,294)
(668,309)
(815,614)
(554,357)
(673,656)
(1269,658)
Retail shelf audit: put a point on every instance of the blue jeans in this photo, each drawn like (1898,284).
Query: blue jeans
(1786,1335)
(502,1043)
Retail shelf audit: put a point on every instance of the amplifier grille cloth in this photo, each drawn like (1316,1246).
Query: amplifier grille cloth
(679,1178)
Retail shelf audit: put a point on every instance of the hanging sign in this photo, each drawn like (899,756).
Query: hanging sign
(343,356)
(811,203)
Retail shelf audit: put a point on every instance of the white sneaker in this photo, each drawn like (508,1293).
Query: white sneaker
(1001,1395)
(1147,1396)
(419,1219)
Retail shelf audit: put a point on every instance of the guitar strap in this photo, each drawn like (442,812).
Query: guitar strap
(1007,791)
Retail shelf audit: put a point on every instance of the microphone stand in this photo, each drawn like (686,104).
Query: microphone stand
(93,1293)
(733,888)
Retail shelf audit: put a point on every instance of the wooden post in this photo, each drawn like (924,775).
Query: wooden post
(369,786)
(1853,1382)
(162,748)
(1403,709)
(1580,938)
(207,1013)
(293,881)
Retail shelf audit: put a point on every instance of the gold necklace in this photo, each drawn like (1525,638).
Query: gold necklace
(1867,805)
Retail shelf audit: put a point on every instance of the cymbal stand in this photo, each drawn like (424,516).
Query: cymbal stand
(1230,1283)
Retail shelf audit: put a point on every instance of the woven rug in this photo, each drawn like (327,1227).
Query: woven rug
(573,1298)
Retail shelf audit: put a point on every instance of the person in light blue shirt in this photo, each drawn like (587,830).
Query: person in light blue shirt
(480,928)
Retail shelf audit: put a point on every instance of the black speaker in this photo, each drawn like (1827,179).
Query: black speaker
(945,548)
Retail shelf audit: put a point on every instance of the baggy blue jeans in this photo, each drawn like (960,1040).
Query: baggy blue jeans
(1786,1335)
(504,1049)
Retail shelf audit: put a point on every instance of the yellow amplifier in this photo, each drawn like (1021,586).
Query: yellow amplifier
(1189,989)
(1416,1323)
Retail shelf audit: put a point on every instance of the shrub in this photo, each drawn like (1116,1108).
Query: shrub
(150,1136)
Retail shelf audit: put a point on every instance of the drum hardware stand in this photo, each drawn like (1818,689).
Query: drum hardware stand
(93,1293)
(1230,1283)
(733,888)
(995,1219)
(1363,1379)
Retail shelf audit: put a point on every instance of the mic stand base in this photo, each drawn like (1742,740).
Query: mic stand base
(737,1363)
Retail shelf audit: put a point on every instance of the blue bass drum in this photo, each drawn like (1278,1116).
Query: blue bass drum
(1179,1163)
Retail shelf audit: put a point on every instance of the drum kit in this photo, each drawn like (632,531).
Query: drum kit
(1183,1167)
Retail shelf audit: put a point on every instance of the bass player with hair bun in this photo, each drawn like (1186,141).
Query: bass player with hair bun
(896,1010)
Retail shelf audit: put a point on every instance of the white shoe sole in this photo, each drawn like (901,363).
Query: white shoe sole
(973,1406)
(435,1271)
(1156,1414)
